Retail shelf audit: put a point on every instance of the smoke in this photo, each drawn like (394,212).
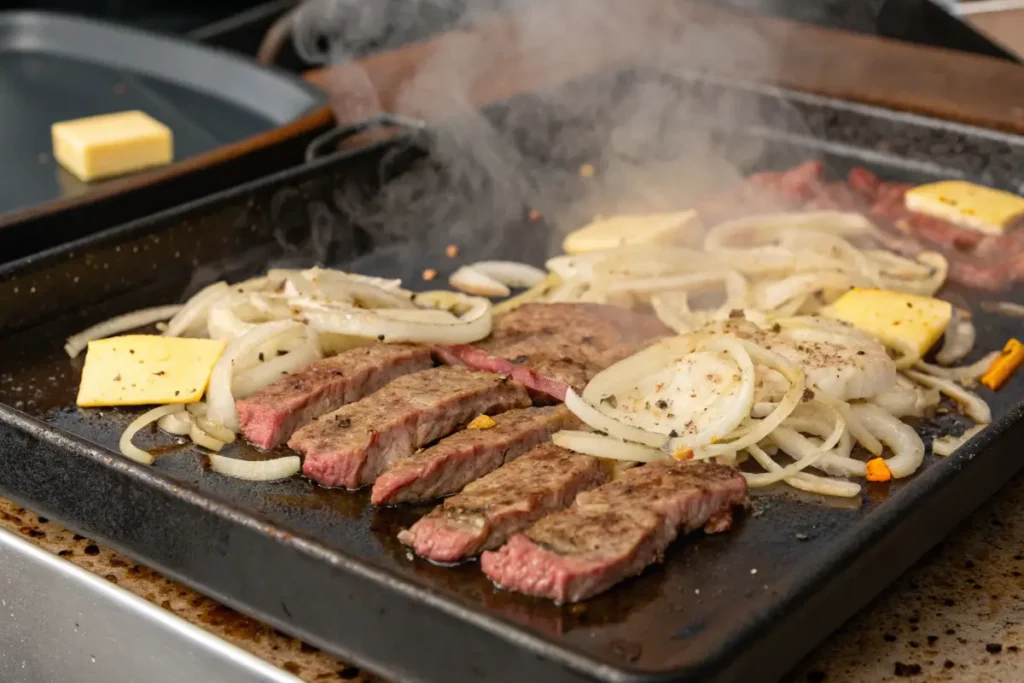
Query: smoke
(654,138)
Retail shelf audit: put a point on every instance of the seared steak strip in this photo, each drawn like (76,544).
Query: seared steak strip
(455,461)
(615,531)
(354,444)
(549,347)
(504,502)
(269,417)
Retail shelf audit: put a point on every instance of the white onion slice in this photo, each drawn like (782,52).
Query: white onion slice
(248,382)
(191,319)
(122,323)
(958,340)
(964,374)
(859,432)
(178,423)
(804,481)
(214,430)
(130,450)
(511,273)
(947,445)
(471,281)
(256,470)
(599,446)
(906,445)
(473,324)
(754,230)
(597,420)
(201,438)
(973,405)
(219,397)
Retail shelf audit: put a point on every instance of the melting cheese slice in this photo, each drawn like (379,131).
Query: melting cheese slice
(616,231)
(113,144)
(142,369)
(898,320)
(967,205)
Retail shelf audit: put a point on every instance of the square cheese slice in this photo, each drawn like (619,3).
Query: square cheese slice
(141,369)
(968,205)
(898,320)
(112,144)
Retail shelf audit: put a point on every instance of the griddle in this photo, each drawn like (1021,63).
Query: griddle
(324,566)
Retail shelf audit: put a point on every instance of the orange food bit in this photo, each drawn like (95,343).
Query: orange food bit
(534,215)
(878,470)
(452,250)
(1004,365)
(429,274)
(481,422)
(587,170)
(683,453)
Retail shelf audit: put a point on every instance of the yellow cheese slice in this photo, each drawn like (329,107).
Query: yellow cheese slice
(898,320)
(615,231)
(113,144)
(967,205)
(141,369)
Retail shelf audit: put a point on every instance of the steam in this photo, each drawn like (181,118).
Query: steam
(655,139)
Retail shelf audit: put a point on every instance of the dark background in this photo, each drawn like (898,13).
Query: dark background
(240,24)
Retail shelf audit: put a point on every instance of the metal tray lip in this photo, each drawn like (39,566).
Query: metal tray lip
(102,34)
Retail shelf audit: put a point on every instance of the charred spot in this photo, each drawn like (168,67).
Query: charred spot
(904,670)
(776,328)
(117,378)
(808,395)
(160,373)
(344,421)
(261,356)
(662,404)
(736,313)
(380,337)
(860,353)
(610,401)
(673,434)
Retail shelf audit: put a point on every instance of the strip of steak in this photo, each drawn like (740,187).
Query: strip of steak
(457,460)
(549,347)
(269,417)
(504,502)
(616,530)
(353,445)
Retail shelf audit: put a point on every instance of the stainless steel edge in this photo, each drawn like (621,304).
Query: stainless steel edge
(60,623)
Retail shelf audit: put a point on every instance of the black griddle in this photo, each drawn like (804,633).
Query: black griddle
(324,566)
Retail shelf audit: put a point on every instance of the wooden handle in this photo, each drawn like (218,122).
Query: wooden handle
(503,57)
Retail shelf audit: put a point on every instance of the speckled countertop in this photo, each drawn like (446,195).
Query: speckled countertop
(957,616)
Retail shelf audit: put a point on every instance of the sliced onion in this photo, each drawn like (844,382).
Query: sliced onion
(122,323)
(248,382)
(201,438)
(191,319)
(754,230)
(1007,308)
(804,481)
(256,470)
(471,281)
(972,404)
(178,423)
(219,396)
(906,445)
(214,430)
(801,448)
(958,340)
(595,419)
(947,445)
(762,428)
(964,374)
(473,324)
(859,432)
(130,450)
(511,273)
(600,446)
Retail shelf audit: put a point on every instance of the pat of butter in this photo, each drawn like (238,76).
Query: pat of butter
(112,144)
(142,369)
(898,320)
(967,205)
(615,231)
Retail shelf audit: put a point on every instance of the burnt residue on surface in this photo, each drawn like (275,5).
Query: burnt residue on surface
(711,592)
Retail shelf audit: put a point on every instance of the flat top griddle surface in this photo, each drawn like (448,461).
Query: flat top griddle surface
(690,616)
